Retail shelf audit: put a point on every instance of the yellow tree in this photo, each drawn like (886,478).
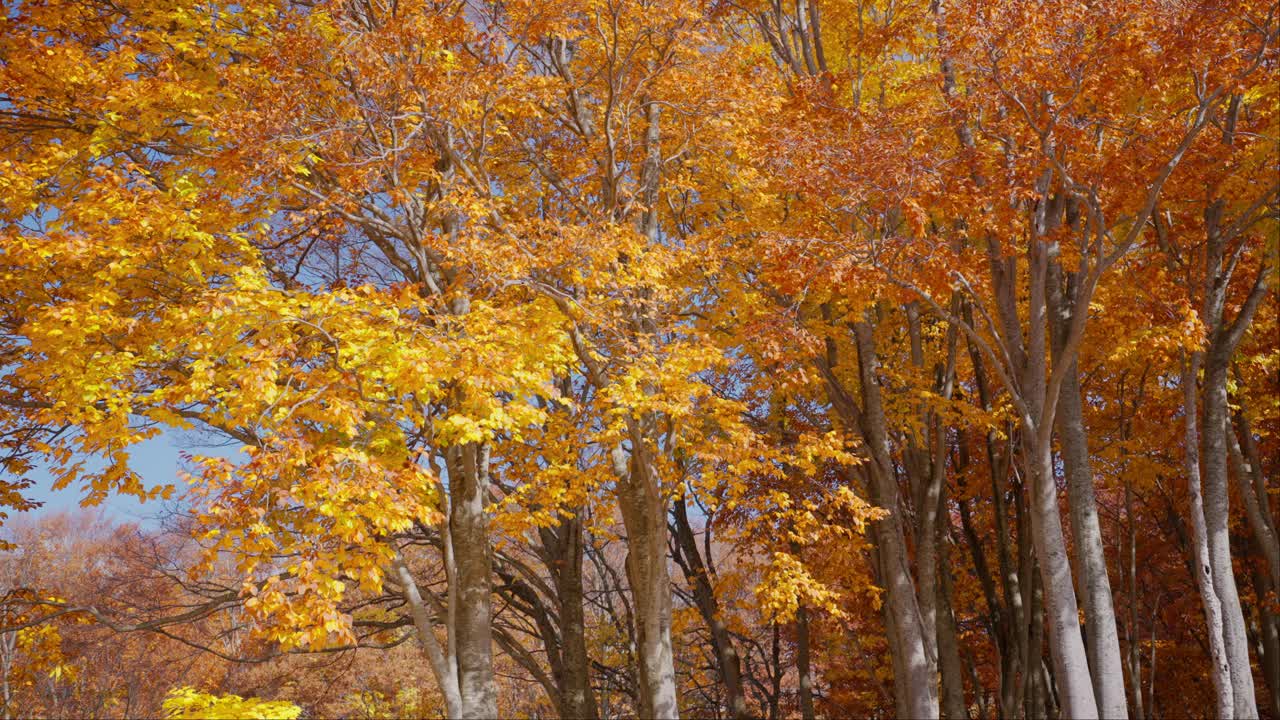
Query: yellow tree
(217,275)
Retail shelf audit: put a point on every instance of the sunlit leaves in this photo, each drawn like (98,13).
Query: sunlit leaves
(187,703)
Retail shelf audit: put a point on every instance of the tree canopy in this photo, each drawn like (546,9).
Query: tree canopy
(617,358)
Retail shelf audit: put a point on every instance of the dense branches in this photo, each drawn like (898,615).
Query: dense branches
(725,359)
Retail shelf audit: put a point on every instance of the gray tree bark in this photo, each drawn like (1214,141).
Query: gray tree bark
(640,497)
(1215,425)
(926,465)
(1105,665)
(1267,638)
(443,667)
(1007,617)
(1135,652)
(953,703)
(1070,661)
(1220,671)
(1215,428)
(644,514)
(469,532)
(1252,487)
(916,666)
(1213,452)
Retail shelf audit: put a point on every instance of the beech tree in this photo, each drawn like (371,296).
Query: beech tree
(613,358)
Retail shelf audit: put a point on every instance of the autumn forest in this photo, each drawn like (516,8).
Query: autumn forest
(610,359)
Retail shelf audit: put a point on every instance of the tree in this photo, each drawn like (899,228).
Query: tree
(632,357)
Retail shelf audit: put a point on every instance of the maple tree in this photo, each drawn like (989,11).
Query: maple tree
(613,358)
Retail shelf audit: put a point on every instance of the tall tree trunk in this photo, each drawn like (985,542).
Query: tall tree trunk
(910,649)
(1105,666)
(644,515)
(1017,582)
(443,667)
(925,463)
(939,523)
(639,489)
(1033,702)
(1213,452)
(469,530)
(1151,664)
(1252,489)
(1071,664)
(1268,640)
(578,702)
(1215,425)
(1131,575)
(916,667)
(1220,672)
(953,704)
(1009,624)
(901,690)
(1066,648)
(802,665)
(775,692)
(1036,394)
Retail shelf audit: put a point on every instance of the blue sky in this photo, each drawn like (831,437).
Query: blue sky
(157,460)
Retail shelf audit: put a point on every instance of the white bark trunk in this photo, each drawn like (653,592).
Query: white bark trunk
(1070,662)
(918,664)
(1220,672)
(1104,640)
(644,514)
(1213,450)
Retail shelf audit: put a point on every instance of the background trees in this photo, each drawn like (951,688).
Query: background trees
(602,358)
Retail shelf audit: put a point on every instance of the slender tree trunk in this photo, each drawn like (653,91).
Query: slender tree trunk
(1135,651)
(953,703)
(938,524)
(1213,452)
(728,662)
(639,487)
(916,667)
(1151,665)
(8,651)
(1220,672)
(1252,489)
(1268,640)
(1009,626)
(926,477)
(981,695)
(1106,668)
(1104,640)
(578,702)
(901,689)
(802,665)
(1032,689)
(1025,610)
(1051,699)
(1215,425)
(443,667)
(1070,662)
